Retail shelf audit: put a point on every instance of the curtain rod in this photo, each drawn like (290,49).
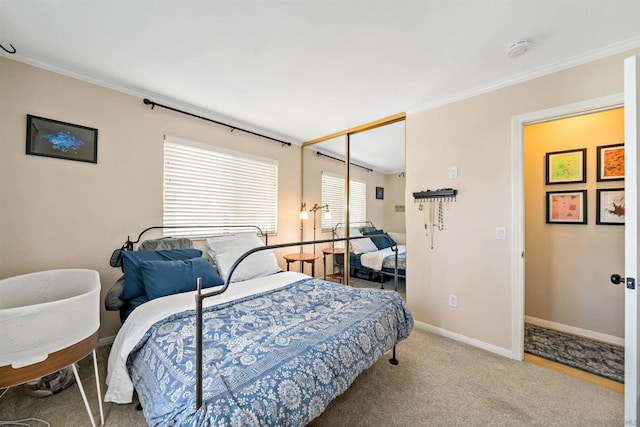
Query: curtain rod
(154,104)
(340,160)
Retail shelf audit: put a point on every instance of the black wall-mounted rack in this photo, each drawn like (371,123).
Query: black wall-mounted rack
(442,193)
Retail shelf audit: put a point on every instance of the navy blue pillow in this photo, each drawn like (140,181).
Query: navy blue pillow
(162,278)
(380,241)
(133,285)
(130,305)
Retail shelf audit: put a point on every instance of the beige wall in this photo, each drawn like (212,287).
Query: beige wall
(394,195)
(60,214)
(65,214)
(567,267)
(476,136)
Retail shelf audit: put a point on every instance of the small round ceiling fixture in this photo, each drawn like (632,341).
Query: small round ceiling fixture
(518,48)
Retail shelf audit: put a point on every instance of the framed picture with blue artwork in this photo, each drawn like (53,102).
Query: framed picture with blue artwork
(61,140)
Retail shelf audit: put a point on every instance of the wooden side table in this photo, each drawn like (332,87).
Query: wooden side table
(331,251)
(302,258)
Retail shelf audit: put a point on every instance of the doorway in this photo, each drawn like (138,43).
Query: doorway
(574,239)
(519,123)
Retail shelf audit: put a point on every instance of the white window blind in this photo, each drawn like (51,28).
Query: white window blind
(333,195)
(206,185)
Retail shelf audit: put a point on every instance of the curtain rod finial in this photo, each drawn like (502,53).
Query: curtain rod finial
(12,51)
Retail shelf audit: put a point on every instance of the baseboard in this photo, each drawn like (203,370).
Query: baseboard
(106,341)
(464,339)
(585,333)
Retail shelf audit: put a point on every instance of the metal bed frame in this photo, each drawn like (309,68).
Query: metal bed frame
(128,245)
(200,296)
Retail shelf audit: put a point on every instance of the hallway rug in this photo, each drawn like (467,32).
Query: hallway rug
(595,357)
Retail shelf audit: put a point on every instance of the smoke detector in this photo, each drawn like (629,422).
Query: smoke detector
(518,48)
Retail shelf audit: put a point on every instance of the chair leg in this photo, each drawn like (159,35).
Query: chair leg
(95,371)
(84,396)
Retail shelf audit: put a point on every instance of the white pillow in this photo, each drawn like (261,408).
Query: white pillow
(362,246)
(227,248)
(353,232)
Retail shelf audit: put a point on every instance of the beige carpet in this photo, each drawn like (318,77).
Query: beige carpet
(439,382)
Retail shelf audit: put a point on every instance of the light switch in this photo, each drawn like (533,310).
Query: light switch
(501,232)
(453,172)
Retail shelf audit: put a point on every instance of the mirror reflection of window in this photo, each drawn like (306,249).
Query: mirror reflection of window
(333,196)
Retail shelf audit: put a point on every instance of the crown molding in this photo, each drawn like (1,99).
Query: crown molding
(140,93)
(574,61)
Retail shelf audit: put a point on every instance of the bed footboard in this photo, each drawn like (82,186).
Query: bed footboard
(200,297)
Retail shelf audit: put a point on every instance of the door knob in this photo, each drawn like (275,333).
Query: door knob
(616,279)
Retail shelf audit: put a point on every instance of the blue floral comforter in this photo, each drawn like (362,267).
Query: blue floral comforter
(276,358)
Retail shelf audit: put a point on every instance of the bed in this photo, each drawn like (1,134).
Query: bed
(372,255)
(277,347)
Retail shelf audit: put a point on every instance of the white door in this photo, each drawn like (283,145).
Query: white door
(631,248)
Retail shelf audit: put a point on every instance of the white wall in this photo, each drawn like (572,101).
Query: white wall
(476,136)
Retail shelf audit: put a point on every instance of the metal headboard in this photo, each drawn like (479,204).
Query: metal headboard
(342,224)
(128,245)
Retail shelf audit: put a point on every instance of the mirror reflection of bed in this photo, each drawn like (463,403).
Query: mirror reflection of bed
(377,164)
(377,258)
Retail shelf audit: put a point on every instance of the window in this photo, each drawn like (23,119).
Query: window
(333,195)
(206,185)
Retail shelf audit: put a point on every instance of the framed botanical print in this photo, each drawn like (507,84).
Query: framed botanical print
(610,207)
(565,167)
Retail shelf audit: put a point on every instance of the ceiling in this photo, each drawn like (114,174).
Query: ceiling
(299,70)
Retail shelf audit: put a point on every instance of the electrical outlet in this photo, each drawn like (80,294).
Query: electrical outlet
(453,300)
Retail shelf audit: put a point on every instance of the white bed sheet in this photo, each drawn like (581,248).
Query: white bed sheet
(375,259)
(119,385)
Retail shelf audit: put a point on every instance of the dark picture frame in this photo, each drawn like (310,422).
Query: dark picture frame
(610,206)
(566,167)
(610,162)
(566,207)
(61,140)
(380,193)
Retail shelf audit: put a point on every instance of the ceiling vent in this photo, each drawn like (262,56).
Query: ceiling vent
(518,48)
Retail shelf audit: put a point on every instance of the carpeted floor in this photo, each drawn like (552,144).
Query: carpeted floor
(595,357)
(439,382)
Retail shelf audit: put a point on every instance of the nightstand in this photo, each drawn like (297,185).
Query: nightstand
(334,275)
(302,258)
